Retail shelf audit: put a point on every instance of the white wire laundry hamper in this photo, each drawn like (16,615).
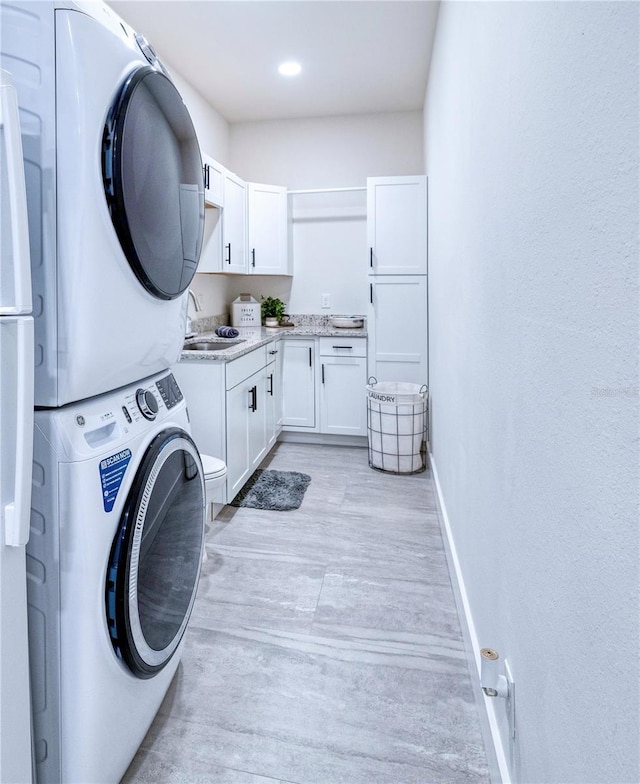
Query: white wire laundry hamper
(397,426)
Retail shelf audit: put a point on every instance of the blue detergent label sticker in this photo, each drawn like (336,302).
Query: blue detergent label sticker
(112,470)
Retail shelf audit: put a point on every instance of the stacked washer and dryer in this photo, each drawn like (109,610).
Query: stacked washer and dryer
(116,212)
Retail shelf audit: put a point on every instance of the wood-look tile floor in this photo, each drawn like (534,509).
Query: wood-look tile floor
(324,646)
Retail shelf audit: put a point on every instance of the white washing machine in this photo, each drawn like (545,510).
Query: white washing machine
(113,561)
(115,195)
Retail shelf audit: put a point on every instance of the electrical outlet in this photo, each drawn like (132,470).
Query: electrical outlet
(326,301)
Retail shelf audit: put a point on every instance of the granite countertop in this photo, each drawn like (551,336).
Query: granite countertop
(254,337)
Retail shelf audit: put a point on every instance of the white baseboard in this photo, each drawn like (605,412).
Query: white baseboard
(473,647)
(297,437)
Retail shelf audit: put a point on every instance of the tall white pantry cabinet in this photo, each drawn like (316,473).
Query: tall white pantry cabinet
(397,266)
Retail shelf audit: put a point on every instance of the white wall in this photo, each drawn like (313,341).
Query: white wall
(211,127)
(329,231)
(327,152)
(213,134)
(531,139)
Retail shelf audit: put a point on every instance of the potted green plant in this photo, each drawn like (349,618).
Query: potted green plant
(271,310)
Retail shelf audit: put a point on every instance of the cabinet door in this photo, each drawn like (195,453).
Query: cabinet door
(298,383)
(278,391)
(234,224)
(246,430)
(258,412)
(274,394)
(267,216)
(213,182)
(271,417)
(397,225)
(397,326)
(239,465)
(211,254)
(343,407)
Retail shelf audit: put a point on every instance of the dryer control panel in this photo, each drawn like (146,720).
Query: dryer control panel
(169,390)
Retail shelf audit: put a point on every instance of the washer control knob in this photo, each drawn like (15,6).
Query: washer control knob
(147,403)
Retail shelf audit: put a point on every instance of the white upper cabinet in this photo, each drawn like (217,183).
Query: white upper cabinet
(267,216)
(213,173)
(234,224)
(397,225)
(245,228)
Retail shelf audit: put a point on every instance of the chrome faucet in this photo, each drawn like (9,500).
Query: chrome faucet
(196,302)
(198,307)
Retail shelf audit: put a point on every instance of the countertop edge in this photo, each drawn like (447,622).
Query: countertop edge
(255,337)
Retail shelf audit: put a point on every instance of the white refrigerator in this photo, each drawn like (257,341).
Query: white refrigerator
(16,445)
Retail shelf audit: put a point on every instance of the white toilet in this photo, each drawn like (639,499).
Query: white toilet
(215,474)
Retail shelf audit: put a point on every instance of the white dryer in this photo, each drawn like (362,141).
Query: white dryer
(117,533)
(115,194)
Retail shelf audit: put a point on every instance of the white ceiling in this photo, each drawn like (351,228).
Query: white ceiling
(357,56)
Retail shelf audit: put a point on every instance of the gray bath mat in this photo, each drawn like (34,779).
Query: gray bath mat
(276,490)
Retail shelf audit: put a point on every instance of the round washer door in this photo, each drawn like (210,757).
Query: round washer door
(155,559)
(153,181)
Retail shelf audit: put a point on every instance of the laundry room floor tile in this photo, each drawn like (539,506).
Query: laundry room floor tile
(324,645)
(254,587)
(321,710)
(353,601)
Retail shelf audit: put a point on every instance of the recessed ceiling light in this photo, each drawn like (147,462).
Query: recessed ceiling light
(289,69)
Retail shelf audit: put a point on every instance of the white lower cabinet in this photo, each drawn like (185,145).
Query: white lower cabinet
(343,378)
(299,383)
(331,400)
(233,415)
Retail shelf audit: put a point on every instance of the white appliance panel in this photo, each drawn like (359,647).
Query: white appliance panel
(16,444)
(91,712)
(96,327)
(110,330)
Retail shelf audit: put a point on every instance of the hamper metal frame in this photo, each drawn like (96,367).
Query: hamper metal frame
(401,428)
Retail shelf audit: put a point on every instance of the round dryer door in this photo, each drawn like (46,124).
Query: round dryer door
(155,559)
(152,173)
